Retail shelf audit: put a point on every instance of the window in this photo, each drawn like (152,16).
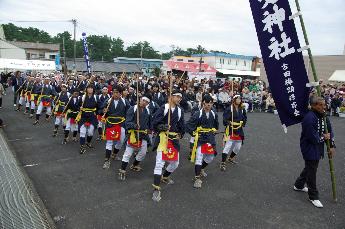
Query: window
(41,55)
(236,62)
(190,60)
(245,63)
(180,60)
(229,61)
(52,57)
(223,60)
(220,60)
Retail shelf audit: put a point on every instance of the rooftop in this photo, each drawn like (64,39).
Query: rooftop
(225,55)
(35,45)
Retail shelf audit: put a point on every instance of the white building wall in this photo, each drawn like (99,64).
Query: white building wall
(9,51)
(228,63)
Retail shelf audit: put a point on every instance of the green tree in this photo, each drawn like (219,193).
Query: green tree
(134,50)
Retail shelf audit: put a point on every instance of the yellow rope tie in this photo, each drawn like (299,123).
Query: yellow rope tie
(86,110)
(235,126)
(133,133)
(196,138)
(163,140)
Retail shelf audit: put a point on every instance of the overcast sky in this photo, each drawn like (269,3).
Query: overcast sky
(215,24)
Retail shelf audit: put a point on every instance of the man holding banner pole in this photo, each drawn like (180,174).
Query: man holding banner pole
(284,64)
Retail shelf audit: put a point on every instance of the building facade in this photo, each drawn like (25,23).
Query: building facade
(325,66)
(231,64)
(38,51)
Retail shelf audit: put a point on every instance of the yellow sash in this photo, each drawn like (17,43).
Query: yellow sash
(196,138)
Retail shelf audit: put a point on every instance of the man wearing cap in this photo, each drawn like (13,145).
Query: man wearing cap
(167,141)
(138,138)
(234,119)
(102,99)
(60,104)
(115,111)
(203,125)
(45,99)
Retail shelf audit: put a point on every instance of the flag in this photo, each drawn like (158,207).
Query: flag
(282,56)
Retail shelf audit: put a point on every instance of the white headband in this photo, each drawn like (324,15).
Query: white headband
(146,99)
(177,94)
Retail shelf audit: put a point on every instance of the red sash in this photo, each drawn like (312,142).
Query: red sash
(113,133)
(28,96)
(138,144)
(46,103)
(72,120)
(207,149)
(58,114)
(99,118)
(87,124)
(171,154)
(236,137)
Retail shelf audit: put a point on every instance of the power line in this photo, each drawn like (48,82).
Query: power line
(43,21)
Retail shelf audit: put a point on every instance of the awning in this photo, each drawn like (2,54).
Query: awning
(189,67)
(17,64)
(238,72)
(338,75)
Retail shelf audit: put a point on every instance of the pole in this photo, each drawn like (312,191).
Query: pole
(311,60)
(74,21)
(138,111)
(141,58)
(64,57)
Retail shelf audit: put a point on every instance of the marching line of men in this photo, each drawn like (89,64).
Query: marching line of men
(155,121)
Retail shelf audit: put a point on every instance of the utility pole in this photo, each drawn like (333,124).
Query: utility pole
(141,58)
(64,57)
(74,21)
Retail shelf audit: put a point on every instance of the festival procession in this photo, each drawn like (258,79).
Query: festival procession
(179,141)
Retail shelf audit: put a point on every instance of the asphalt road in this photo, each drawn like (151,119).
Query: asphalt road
(256,193)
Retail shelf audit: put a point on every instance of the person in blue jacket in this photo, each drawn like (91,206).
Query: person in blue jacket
(312,144)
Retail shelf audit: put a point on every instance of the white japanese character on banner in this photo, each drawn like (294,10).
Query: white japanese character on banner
(268,2)
(285,45)
(296,113)
(292,97)
(288,82)
(287,74)
(276,48)
(285,67)
(294,105)
(276,18)
(290,89)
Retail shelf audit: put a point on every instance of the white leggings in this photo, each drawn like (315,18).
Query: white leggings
(232,146)
(60,120)
(40,108)
(70,126)
(160,164)
(129,151)
(208,158)
(84,129)
(109,144)
(33,105)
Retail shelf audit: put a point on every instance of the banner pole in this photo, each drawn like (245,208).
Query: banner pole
(311,60)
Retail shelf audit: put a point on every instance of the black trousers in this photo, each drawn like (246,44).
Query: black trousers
(1,102)
(308,176)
